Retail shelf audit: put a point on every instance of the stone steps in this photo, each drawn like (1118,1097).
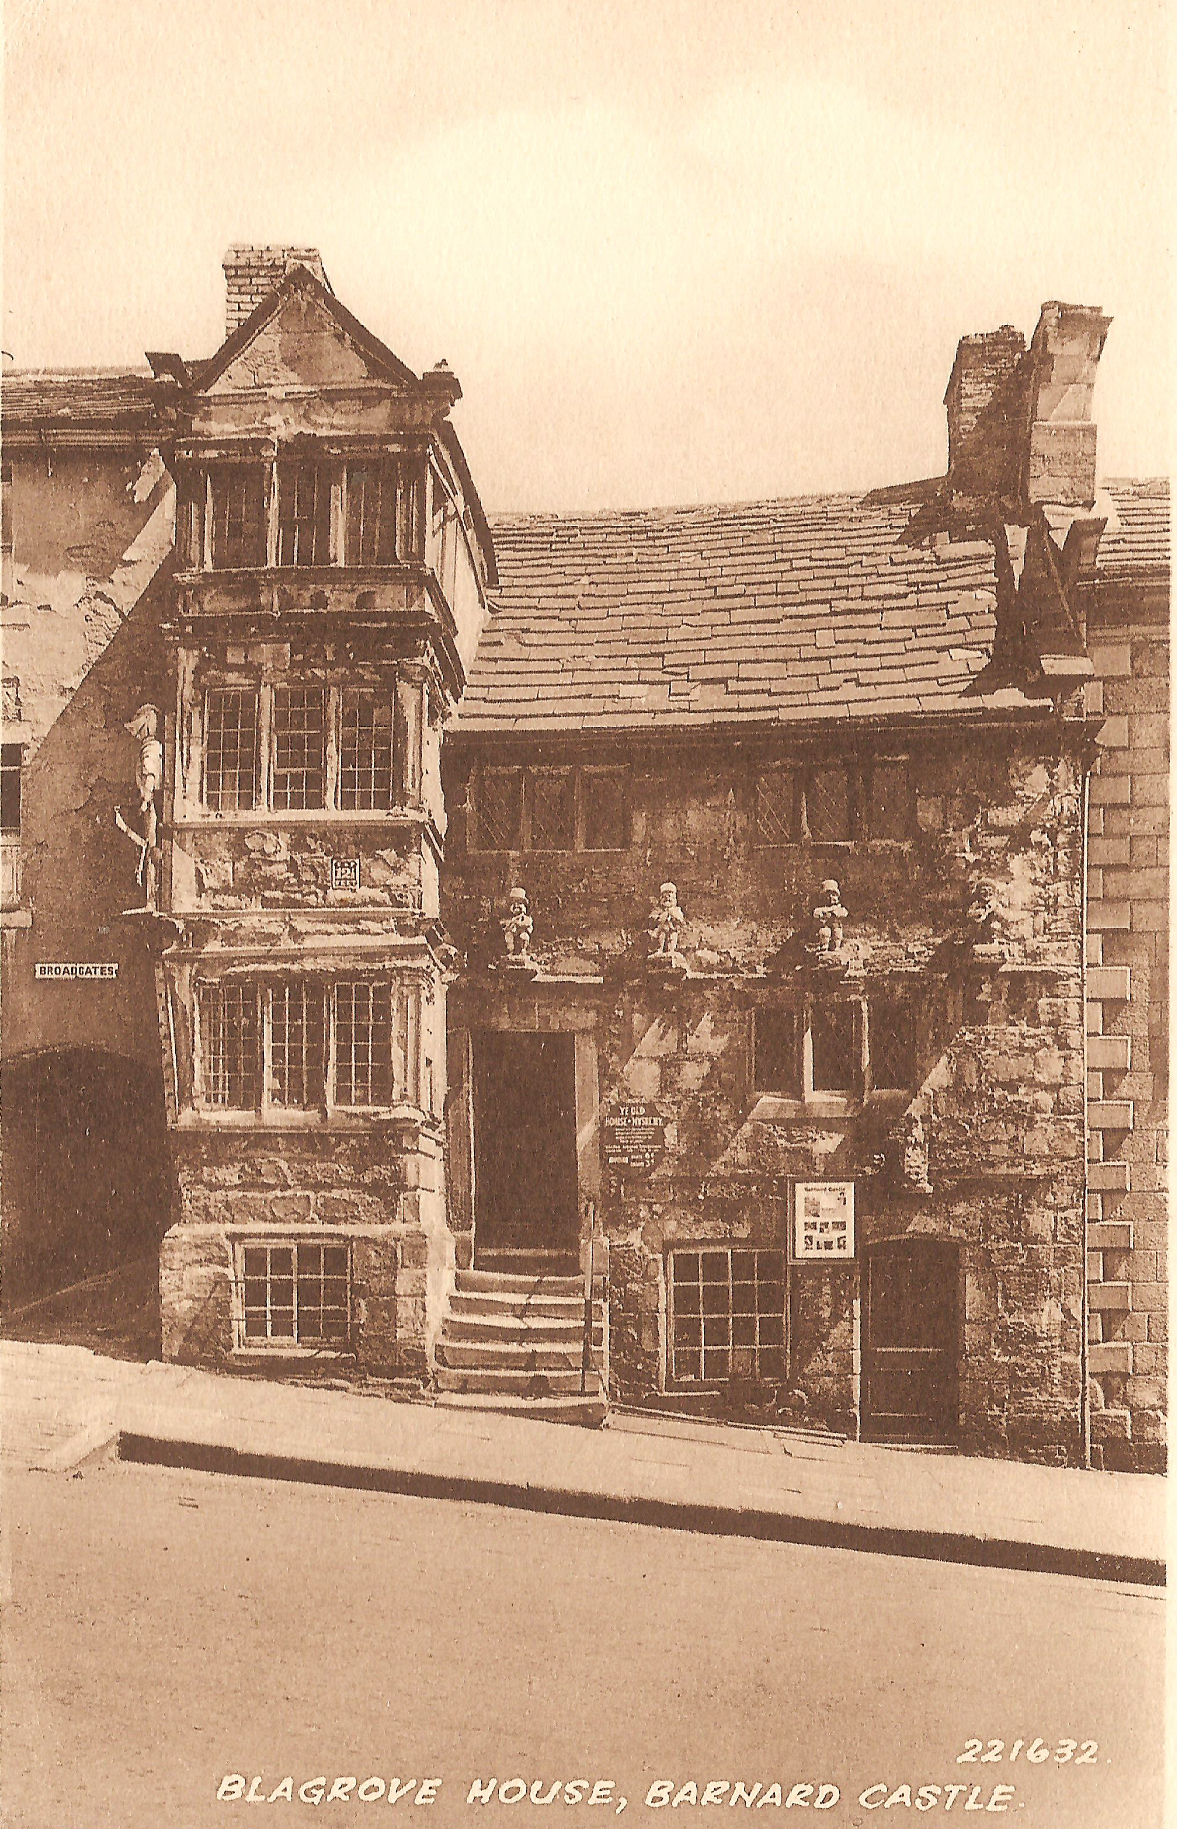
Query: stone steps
(516,1264)
(541,1330)
(524,1355)
(516,1337)
(495,1380)
(502,1282)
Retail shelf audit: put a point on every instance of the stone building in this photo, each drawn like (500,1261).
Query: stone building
(641,953)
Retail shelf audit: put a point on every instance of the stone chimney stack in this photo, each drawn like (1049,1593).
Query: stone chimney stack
(1019,420)
(251,274)
(986,412)
(1064,356)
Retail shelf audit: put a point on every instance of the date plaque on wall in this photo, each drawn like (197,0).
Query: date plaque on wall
(823,1221)
(345,873)
(634,1135)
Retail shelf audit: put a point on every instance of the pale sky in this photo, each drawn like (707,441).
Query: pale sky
(675,250)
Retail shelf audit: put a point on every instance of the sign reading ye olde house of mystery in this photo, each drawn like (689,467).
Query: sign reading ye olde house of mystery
(634,1135)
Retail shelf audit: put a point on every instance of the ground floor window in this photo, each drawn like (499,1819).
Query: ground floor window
(727,1315)
(296,1292)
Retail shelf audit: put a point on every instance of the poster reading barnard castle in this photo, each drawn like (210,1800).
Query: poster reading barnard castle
(584,913)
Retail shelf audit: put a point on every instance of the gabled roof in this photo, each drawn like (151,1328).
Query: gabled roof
(781,612)
(370,347)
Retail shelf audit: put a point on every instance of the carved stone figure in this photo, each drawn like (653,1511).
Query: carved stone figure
(915,1154)
(829,918)
(149,781)
(986,923)
(517,926)
(667,921)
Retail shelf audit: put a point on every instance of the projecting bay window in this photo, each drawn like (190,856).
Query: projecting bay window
(302,1045)
(251,512)
(369,1045)
(324,747)
(830,803)
(304,515)
(372,492)
(230,748)
(369,771)
(549,809)
(294,1293)
(726,1315)
(237,516)
(298,772)
(231,1045)
(298,1045)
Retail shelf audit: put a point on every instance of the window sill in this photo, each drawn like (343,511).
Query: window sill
(256,1351)
(775,1108)
(16,917)
(602,851)
(835,844)
(278,574)
(340,1117)
(205,818)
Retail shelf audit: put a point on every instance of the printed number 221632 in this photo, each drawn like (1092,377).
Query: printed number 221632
(981,1752)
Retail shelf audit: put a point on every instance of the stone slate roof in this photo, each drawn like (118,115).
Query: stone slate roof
(762,612)
(1141,542)
(96,399)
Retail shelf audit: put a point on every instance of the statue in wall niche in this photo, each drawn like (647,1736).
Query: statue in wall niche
(149,780)
(986,924)
(665,926)
(915,1153)
(518,926)
(829,920)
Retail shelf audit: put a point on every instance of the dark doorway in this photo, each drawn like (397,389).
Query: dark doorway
(87,1193)
(911,1332)
(525,1188)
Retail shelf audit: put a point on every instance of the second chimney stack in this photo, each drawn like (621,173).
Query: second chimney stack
(251,274)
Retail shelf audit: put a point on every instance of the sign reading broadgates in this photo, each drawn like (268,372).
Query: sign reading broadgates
(70,971)
(634,1135)
(823,1221)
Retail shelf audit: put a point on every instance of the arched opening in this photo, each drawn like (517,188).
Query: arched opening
(911,1339)
(86,1176)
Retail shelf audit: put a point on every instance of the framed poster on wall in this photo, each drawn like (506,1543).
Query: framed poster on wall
(823,1221)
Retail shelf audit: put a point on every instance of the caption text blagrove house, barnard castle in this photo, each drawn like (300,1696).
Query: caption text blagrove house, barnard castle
(755,913)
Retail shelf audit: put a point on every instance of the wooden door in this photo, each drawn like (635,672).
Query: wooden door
(911,1339)
(525,1182)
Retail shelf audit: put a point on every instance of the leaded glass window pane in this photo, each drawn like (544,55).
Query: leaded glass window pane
(230,748)
(300,747)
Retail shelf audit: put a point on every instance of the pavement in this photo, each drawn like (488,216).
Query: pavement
(62,1405)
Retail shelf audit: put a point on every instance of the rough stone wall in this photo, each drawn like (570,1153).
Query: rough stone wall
(1000,1057)
(1127,1011)
(234,1186)
(240,868)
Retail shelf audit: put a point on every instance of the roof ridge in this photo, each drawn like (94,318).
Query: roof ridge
(118,372)
(670,509)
